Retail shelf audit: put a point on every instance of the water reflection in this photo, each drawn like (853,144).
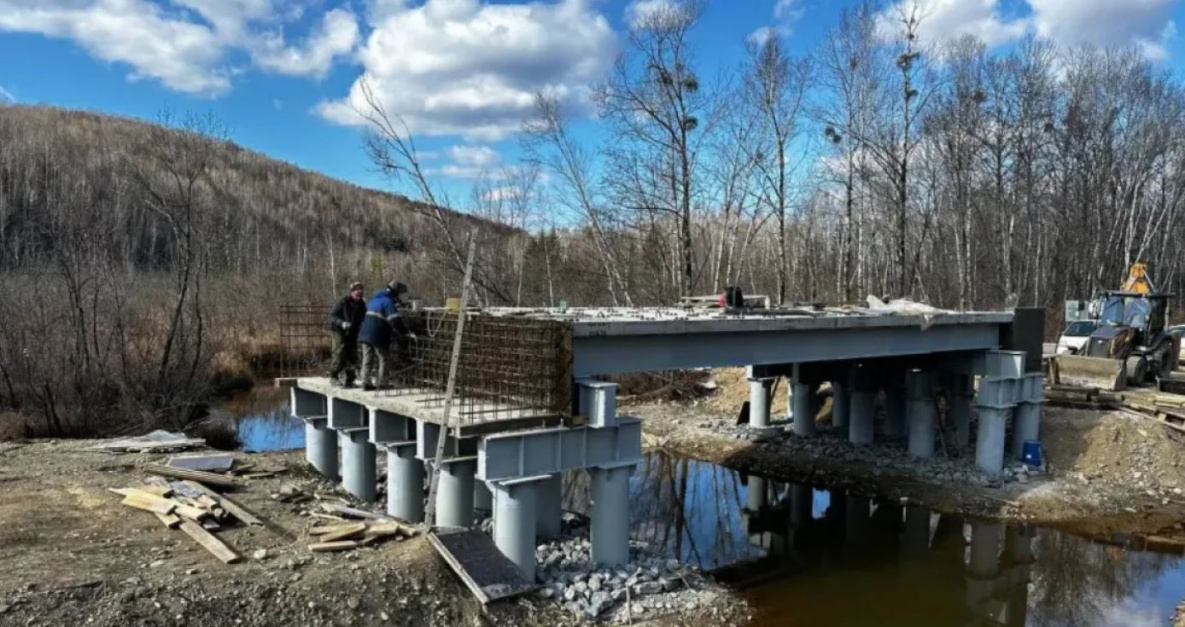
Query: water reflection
(263,420)
(812,557)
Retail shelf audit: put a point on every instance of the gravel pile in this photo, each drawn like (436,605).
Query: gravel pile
(650,584)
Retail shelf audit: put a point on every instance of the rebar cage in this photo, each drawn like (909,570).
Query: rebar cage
(304,340)
(510,368)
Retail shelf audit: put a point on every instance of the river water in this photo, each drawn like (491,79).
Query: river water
(806,556)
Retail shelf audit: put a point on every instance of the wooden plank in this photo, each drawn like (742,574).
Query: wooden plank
(149,503)
(327,529)
(328,547)
(209,542)
(228,504)
(194,475)
(172,521)
(337,508)
(345,533)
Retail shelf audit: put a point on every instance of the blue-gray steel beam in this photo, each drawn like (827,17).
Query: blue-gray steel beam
(389,427)
(616,354)
(549,451)
(345,414)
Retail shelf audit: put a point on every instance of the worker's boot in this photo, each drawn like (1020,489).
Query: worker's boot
(349,380)
(366,386)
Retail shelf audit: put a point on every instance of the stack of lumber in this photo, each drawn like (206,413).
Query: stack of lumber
(193,508)
(1081,397)
(348,536)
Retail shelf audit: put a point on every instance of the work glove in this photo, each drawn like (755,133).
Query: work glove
(411,336)
(346,326)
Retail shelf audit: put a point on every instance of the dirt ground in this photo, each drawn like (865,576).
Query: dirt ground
(1108,472)
(71,554)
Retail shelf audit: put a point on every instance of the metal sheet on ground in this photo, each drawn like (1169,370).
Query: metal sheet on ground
(479,563)
(217,463)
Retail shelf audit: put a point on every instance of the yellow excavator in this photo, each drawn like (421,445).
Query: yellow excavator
(1131,344)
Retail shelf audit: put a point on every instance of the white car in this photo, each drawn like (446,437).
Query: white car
(1075,336)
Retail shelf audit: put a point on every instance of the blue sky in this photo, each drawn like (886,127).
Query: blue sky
(279,73)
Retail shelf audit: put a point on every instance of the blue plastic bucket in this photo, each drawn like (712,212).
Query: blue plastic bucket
(1031,453)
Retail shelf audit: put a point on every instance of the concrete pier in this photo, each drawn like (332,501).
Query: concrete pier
(989,443)
(405,483)
(759,401)
(454,492)
(514,521)
(862,412)
(841,403)
(804,408)
(358,463)
(1025,427)
(961,392)
(548,507)
(802,502)
(895,398)
(320,445)
(756,493)
(916,539)
(922,414)
(610,513)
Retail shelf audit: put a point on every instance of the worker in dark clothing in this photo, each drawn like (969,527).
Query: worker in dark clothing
(345,321)
(379,329)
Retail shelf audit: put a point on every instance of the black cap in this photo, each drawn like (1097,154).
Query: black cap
(397,288)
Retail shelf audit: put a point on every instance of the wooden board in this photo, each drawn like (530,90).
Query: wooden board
(194,475)
(172,521)
(149,503)
(486,572)
(327,547)
(345,533)
(209,542)
(233,508)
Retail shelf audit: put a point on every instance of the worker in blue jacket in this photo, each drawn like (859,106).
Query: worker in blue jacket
(379,327)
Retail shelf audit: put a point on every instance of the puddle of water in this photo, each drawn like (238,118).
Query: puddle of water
(808,557)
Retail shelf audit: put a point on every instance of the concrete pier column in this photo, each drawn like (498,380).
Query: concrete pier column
(802,502)
(514,522)
(856,520)
(548,508)
(405,483)
(989,443)
(454,492)
(756,493)
(804,408)
(320,445)
(983,567)
(1026,426)
(358,463)
(962,389)
(759,401)
(985,548)
(483,498)
(895,410)
(917,529)
(841,403)
(610,513)
(922,414)
(862,413)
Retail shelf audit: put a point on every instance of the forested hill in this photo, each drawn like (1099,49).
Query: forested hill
(66,175)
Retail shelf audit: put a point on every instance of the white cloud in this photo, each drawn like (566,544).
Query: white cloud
(762,35)
(786,13)
(791,10)
(945,20)
(501,194)
(184,43)
(470,162)
(638,11)
(464,67)
(182,55)
(6,96)
(336,36)
(1145,23)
